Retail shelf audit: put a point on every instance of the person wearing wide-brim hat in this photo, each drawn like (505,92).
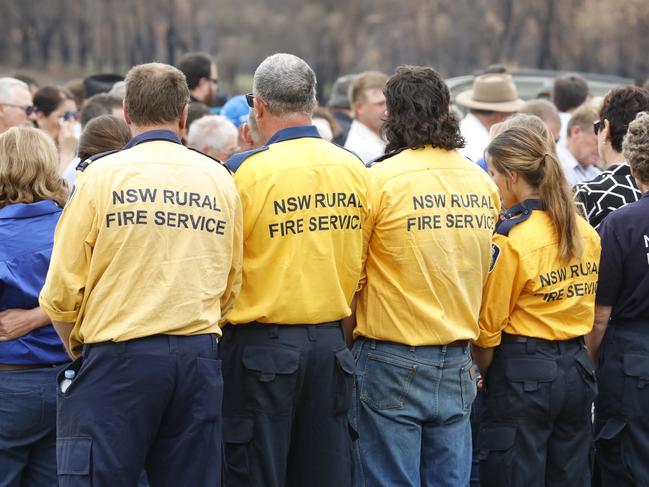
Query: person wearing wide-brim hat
(491,100)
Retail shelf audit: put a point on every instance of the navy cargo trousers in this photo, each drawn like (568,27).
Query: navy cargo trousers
(287,391)
(151,403)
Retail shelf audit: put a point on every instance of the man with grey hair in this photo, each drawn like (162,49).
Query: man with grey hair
(215,136)
(16,106)
(287,373)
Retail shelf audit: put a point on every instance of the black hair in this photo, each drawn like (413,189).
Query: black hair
(620,107)
(195,65)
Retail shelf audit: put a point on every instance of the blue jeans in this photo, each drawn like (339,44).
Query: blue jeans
(28,427)
(411,408)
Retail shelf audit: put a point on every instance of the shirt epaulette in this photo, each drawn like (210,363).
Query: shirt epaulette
(385,156)
(234,163)
(83,165)
(220,162)
(523,210)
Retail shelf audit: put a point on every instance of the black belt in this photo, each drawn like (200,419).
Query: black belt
(509,338)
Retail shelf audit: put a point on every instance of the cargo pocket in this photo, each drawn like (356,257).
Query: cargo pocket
(636,384)
(587,372)
(345,369)
(529,382)
(386,381)
(237,436)
(496,455)
(271,378)
(611,448)
(208,399)
(73,460)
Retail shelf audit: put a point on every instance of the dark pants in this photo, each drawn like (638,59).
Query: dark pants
(150,403)
(536,429)
(28,427)
(622,408)
(287,391)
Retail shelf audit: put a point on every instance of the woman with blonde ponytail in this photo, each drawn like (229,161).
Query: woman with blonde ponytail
(538,303)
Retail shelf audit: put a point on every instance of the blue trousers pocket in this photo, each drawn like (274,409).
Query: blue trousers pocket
(73,460)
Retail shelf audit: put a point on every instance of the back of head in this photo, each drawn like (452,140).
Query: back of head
(636,147)
(569,92)
(418,101)
(236,110)
(195,111)
(95,106)
(155,94)
(527,121)
(195,65)
(48,98)
(620,107)
(29,168)
(103,134)
(368,80)
(211,131)
(525,151)
(286,83)
(545,110)
(339,97)
(100,83)
(584,117)
(7,86)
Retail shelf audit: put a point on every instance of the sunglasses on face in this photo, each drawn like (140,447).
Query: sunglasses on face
(250,99)
(28,109)
(70,116)
(597,126)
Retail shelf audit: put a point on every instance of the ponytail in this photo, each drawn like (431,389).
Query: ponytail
(529,149)
(557,201)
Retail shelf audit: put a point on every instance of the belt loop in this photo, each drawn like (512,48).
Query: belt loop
(273,331)
(413,349)
(530,346)
(311,332)
(373,344)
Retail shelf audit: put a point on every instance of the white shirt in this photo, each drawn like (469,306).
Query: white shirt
(71,171)
(574,171)
(364,143)
(476,136)
(565,118)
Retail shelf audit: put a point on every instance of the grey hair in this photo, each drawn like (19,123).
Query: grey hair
(286,83)
(636,146)
(212,131)
(6,85)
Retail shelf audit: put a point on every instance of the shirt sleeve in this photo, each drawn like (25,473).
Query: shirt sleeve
(373,204)
(610,264)
(234,276)
(74,240)
(505,282)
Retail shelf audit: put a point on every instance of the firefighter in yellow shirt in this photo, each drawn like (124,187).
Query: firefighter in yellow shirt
(538,303)
(146,263)
(433,215)
(287,373)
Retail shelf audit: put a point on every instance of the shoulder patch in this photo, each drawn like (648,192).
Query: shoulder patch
(386,156)
(495,253)
(83,165)
(234,163)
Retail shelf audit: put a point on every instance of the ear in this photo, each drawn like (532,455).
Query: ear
(260,110)
(575,130)
(182,121)
(127,119)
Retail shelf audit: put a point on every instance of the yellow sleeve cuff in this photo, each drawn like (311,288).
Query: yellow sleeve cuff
(57,315)
(488,339)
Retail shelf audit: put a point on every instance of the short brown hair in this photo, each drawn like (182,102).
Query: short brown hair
(368,80)
(569,92)
(102,134)
(636,146)
(620,107)
(155,93)
(543,109)
(29,165)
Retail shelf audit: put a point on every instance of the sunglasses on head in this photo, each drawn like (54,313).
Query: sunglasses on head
(597,126)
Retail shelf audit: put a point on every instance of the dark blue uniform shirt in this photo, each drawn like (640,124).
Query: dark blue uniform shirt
(26,238)
(624,265)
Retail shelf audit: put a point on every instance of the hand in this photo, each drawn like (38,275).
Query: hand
(480,383)
(15,323)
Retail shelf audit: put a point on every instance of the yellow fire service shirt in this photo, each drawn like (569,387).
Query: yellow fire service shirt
(304,209)
(433,215)
(530,292)
(149,243)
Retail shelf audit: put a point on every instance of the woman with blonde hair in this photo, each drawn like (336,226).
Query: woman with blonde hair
(538,303)
(31,355)
(620,338)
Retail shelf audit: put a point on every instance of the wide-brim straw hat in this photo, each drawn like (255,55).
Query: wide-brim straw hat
(494,92)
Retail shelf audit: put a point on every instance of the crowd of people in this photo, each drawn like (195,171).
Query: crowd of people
(396,289)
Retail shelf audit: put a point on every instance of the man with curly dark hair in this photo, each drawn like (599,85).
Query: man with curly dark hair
(433,214)
(615,187)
